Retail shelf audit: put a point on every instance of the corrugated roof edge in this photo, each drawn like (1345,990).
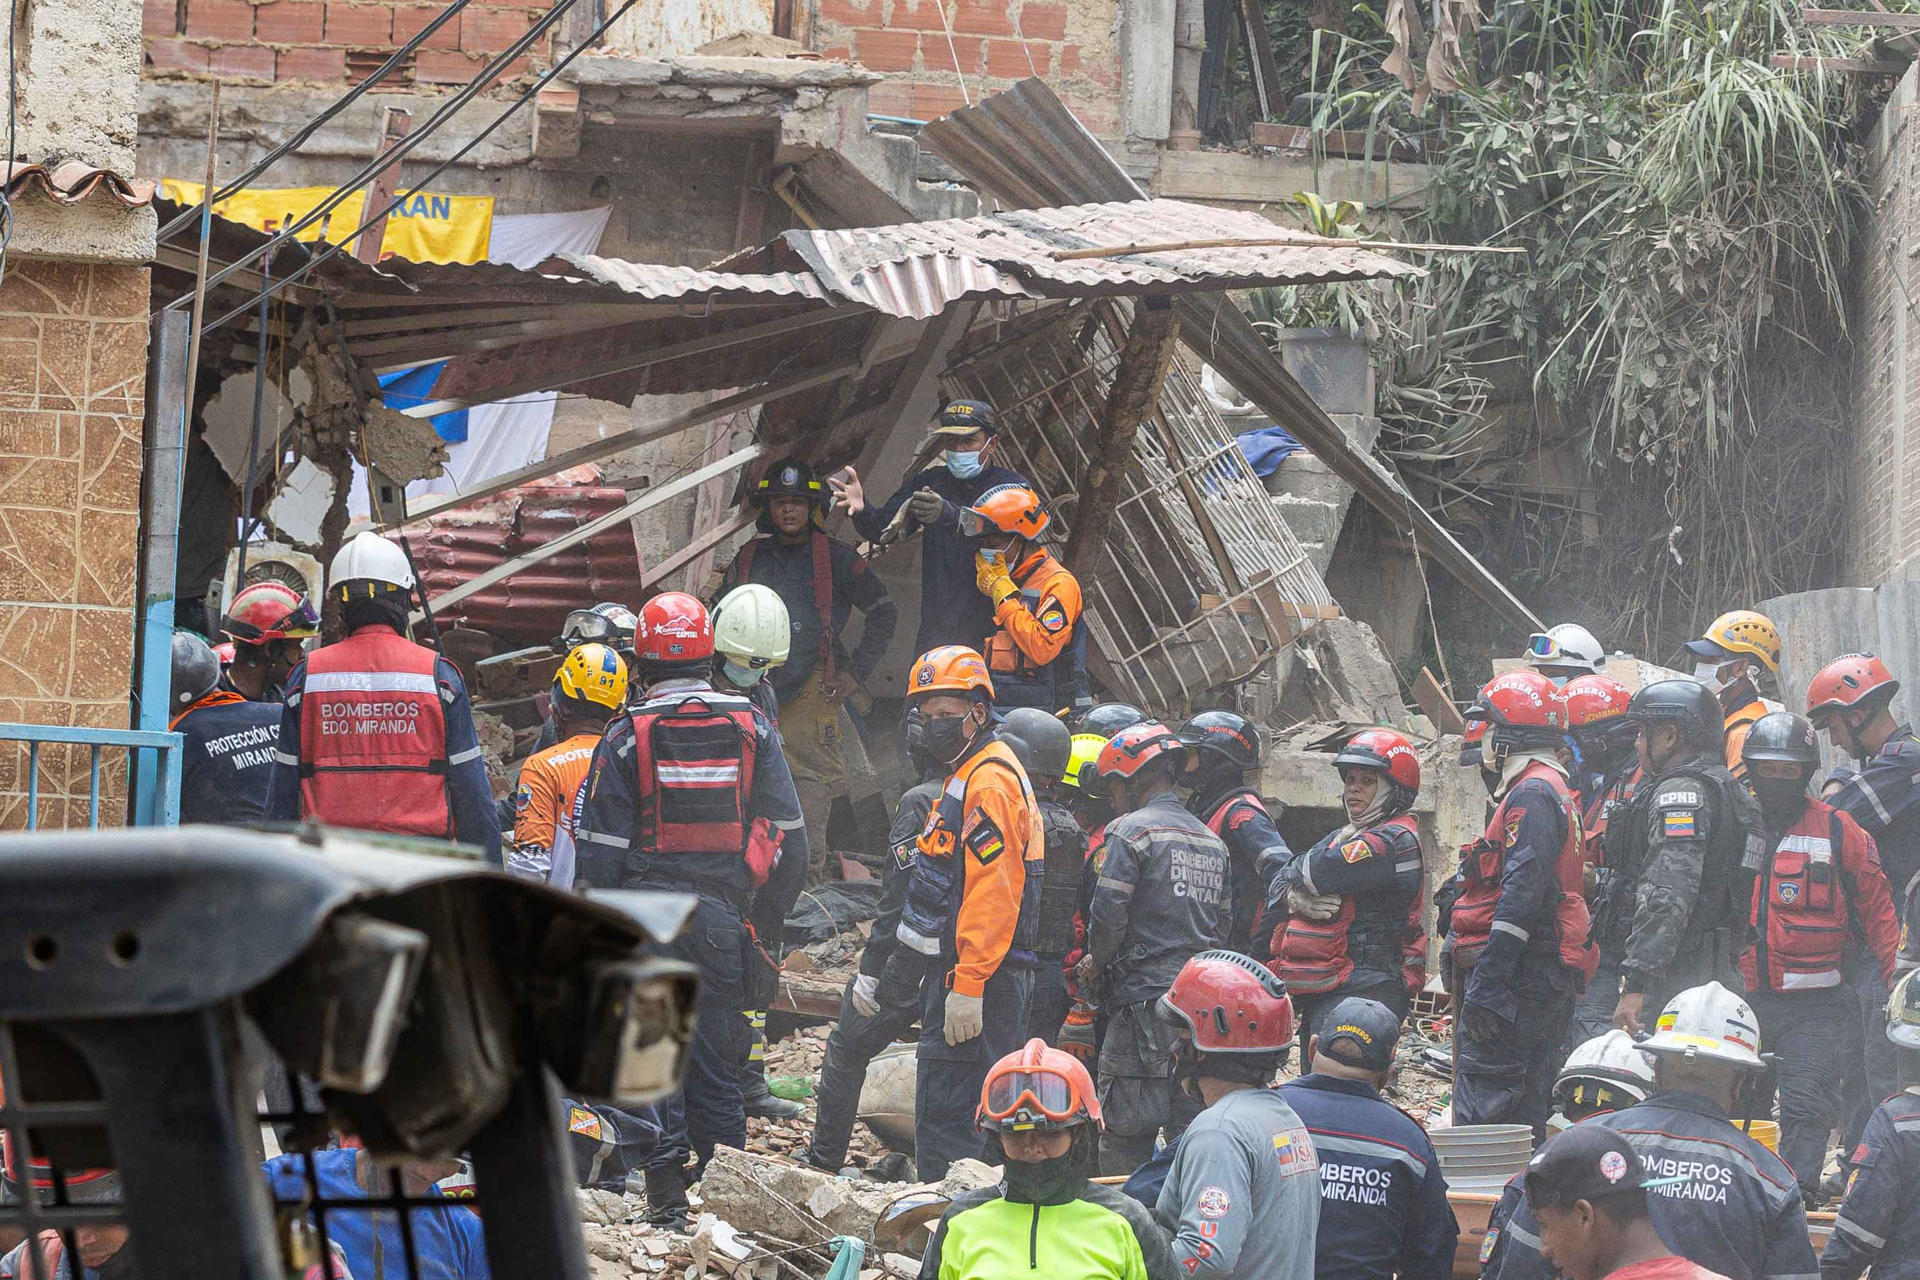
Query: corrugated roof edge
(72,182)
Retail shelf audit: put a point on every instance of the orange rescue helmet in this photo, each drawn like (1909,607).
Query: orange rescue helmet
(952,668)
(1135,746)
(1009,508)
(1591,699)
(1230,1003)
(1037,1087)
(1850,680)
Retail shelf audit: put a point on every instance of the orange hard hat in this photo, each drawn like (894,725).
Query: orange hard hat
(1850,680)
(1010,508)
(952,668)
(1134,746)
(1037,1087)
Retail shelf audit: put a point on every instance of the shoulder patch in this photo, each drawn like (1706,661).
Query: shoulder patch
(1213,1202)
(1513,828)
(985,841)
(1053,618)
(1488,1244)
(1671,796)
(522,797)
(583,1122)
(1679,824)
(1359,850)
(1294,1149)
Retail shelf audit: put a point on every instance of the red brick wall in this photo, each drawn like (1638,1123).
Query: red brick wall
(326,40)
(929,47)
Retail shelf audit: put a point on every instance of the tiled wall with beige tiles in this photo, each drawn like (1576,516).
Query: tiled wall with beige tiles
(73,352)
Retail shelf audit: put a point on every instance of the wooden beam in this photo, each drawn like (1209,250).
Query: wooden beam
(701,544)
(1266,72)
(1137,381)
(612,444)
(1435,704)
(394,127)
(1860,18)
(547,550)
(1843,66)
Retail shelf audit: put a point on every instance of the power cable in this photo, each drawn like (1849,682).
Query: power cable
(184,219)
(399,150)
(334,249)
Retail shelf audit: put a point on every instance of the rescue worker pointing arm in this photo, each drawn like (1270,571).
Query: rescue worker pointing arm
(1033,654)
(389,743)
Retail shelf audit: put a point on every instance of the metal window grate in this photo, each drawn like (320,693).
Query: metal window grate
(1201,583)
(54,773)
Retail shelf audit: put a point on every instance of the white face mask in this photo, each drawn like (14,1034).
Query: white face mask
(745,677)
(1718,675)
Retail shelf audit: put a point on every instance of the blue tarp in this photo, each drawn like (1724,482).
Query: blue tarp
(1267,448)
(411,387)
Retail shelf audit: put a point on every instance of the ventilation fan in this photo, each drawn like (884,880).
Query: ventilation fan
(271,562)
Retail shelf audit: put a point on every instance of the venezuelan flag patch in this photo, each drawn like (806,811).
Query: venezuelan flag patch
(1678,826)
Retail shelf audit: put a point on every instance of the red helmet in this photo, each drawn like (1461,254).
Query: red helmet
(1591,699)
(1850,680)
(1037,1087)
(674,628)
(1231,1004)
(81,1186)
(1134,746)
(267,611)
(1521,700)
(1385,750)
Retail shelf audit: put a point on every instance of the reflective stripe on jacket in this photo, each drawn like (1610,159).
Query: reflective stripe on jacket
(1818,894)
(373,736)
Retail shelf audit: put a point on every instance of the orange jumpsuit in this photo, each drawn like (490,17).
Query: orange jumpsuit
(543,805)
(1035,625)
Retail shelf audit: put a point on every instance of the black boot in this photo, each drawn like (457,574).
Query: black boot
(762,1101)
(667,1197)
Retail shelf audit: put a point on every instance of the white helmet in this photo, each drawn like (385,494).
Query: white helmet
(371,558)
(1613,1059)
(751,626)
(1567,645)
(1708,1022)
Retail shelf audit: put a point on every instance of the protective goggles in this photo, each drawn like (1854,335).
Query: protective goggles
(1543,645)
(299,622)
(975,525)
(1030,1095)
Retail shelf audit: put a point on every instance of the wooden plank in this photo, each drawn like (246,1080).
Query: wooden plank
(1436,705)
(1266,72)
(394,128)
(1137,380)
(1843,66)
(1860,18)
(1347,143)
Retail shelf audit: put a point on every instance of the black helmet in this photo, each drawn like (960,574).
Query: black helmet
(789,476)
(1687,703)
(1783,736)
(1224,736)
(196,669)
(1108,718)
(1040,740)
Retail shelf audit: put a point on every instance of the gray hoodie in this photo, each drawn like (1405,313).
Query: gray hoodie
(1243,1198)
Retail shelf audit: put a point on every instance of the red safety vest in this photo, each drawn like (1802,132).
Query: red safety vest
(694,756)
(1800,905)
(1483,861)
(1312,955)
(373,736)
(822,592)
(1217,820)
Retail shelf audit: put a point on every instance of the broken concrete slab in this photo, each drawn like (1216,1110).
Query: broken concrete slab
(771,1196)
(771,73)
(1340,671)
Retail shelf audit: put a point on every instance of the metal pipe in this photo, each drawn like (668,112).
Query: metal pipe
(159,535)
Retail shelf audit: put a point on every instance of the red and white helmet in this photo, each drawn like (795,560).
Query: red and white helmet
(674,628)
(1521,700)
(1850,680)
(1592,699)
(1136,745)
(1230,1003)
(1385,750)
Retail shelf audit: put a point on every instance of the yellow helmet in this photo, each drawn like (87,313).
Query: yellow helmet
(593,673)
(1086,753)
(1741,631)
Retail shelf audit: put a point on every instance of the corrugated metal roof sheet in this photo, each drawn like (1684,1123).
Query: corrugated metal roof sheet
(72,182)
(659,281)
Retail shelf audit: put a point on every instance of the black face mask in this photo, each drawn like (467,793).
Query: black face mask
(945,737)
(1054,1181)
(1782,800)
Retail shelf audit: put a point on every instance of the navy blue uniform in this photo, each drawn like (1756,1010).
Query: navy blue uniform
(1738,1212)
(226,758)
(1383,1201)
(1255,850)
(952,610)
(1879,1225)
(476,818)
(787,569)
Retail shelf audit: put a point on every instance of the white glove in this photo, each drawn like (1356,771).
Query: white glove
(966,1017)
(866,989)
(1314,906)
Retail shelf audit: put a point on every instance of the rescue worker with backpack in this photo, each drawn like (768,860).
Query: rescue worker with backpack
(1160,896)
(1045,1217)
(1609,768)
(1044,747)
(1732,1205)
(872,1016)
(821,580)
(1877,1226)
(268,625)
(1224,750)
(1676,908)
(1242,1197)
(377,733)
(1037,648)
(1517,945)
(689,793)
(1820,906)
(1352,925)
(972,907)
(589,690)
(226,741)
(1728,660)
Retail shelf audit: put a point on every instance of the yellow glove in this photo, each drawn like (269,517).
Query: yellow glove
(991,577)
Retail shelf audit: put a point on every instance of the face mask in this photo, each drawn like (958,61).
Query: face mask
(964,466)
(1782,800)
(745,677)
(1708,674)
(945,737)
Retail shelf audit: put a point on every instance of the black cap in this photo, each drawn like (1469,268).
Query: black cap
(1586,1162)
(964,417)
(1360,1033)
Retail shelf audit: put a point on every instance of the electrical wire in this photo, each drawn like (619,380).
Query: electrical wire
(399,150)
(183,220)
(332,249)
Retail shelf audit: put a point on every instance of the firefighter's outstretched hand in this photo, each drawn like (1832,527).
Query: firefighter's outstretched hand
(992,578)
(848,495)
(1626,1014)
(925,506)
(966,1017)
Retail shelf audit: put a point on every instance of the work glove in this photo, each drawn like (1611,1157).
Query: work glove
(1087,974)
(966,1017)
(1484,1024)
(1314,906)
(992,578)
(1076,1036)
(1488,1007)
(865,994)
(926,506)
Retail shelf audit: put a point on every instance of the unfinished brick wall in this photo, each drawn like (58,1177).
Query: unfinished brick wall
(930,47)
(318,40)
(73,353)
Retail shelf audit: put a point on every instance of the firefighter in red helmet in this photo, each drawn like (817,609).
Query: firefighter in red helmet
(1605,773)
(1517,945)
(268,624)
(688,792)
(1352,902)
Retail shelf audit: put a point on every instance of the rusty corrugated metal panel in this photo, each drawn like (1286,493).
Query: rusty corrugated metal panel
(73,182)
